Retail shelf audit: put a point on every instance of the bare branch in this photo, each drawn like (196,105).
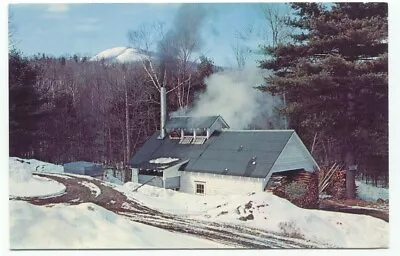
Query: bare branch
(179,84)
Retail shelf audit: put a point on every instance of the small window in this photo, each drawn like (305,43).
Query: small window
(174,135)
(199,140)
(200,188)
(185,140)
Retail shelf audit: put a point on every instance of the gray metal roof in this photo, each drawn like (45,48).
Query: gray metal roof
(189,122)
(237,153)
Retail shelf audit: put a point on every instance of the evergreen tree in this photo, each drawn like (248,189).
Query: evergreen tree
(25,106)
(334,77)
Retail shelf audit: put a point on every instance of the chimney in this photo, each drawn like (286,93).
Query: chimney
(163,115)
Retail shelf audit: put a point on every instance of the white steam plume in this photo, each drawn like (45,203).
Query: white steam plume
(232,95)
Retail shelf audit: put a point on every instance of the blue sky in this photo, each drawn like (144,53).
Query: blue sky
(86,29)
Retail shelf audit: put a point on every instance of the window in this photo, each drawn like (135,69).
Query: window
(200,188)
(199,140)
(185,140)
(174,135)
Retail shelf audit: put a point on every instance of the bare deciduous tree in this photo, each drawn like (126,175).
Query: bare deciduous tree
(276,17)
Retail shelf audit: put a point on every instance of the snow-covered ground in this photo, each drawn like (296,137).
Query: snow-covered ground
(108,176)
(88,226)
(368,192)
(95,190)
(22,183)
(269,213)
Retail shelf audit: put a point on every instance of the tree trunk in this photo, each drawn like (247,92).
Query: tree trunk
(350,159)
(127,129)
(351,169)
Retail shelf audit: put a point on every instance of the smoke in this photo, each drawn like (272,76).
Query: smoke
(232,95)
(185,36)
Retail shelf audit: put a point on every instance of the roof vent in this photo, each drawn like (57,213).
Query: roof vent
(240,148)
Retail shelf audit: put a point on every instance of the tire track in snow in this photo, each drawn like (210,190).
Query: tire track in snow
(93,188)
(78,191)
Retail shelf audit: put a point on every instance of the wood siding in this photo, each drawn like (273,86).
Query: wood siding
(219,184)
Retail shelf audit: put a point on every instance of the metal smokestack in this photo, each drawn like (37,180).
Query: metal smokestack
(163,115)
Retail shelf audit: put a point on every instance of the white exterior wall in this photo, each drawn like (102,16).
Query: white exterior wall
(173,171)
(135,175)
(294,156)
(219,184)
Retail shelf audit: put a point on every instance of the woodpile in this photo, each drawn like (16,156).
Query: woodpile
(275,181)
(325,177)
(304,177)
(281,179)
(332,181)
(299,187)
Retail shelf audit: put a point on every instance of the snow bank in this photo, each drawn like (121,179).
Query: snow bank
(108,176)
(23,184)
(269,213)
(171,201)
(163,160)
(34,165)
(278,215)
(87,226)
(368,192)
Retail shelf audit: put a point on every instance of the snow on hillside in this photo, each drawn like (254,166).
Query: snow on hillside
(269,213)
(119,54)
(368,192)
(87,226)
(23,184)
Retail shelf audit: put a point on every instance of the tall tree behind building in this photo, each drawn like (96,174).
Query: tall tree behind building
(334,76)
(25,105)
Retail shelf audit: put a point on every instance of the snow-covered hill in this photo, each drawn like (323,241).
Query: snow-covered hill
(119,54)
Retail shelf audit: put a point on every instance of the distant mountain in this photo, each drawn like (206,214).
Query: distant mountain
(129,54)
(120,55)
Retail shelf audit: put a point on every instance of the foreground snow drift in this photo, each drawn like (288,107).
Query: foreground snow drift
(87,226)
(23,184)
(271,213)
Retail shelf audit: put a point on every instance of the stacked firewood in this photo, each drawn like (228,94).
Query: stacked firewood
(332,181)
(282,185)
(275,182)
